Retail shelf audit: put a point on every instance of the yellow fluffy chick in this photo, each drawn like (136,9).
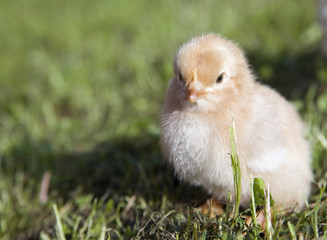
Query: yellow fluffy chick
(212,82)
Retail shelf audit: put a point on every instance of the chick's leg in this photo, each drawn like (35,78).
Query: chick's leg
(212,208)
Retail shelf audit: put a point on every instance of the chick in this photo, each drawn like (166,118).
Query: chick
(212,82)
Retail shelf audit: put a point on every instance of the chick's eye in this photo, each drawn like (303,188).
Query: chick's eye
(220,78)
(180,77)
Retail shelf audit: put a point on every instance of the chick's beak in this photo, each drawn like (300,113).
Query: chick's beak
(193,95)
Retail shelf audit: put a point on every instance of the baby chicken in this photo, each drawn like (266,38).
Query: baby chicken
(213,87)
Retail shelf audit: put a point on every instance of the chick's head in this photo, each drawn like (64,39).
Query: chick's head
(209,70)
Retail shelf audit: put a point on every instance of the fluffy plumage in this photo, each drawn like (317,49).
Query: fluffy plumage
(212,79)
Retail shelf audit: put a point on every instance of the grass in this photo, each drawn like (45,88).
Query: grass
(81,85)
(235,163)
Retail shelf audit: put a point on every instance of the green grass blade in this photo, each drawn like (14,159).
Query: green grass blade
(292,230)
(268,224)
(253,210)
(61,234)
(236,167)
(103,233)
(315,219)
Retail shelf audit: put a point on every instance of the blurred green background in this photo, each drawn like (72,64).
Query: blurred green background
(82,82)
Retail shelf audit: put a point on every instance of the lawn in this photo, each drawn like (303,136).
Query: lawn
(81,86)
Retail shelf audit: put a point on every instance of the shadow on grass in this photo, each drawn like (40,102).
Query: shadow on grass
(113,168)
